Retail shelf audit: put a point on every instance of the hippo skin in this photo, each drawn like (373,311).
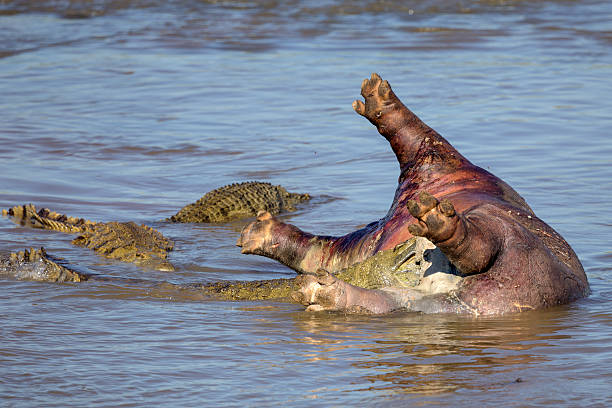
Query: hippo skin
(509,260)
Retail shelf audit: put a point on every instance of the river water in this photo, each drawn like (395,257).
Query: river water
(128,110)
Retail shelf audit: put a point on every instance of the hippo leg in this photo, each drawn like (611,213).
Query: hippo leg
(414,143)
(400,126)
(324,291)
(256,234)
(286,243)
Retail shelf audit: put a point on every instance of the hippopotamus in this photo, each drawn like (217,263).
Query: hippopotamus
(508,259)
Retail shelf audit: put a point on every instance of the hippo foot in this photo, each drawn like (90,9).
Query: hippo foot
(254,238)
(322,291)
(436,221)
(325,292)
(379,100)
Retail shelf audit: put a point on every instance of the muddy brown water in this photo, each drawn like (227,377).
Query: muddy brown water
(128,110)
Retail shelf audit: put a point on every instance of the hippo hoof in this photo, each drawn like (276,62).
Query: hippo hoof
(320,292)
(379,98)
(436,220)
(255,235)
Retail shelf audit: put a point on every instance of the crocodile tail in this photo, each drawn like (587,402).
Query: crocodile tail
(46,219)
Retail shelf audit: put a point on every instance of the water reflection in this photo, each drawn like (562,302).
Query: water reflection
(425,354)
(401,353)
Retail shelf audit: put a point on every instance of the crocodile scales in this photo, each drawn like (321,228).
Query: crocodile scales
(239,200)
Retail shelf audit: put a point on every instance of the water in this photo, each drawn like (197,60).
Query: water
(128,110)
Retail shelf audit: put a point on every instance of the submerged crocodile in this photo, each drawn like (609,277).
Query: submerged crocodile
(147,247)
(36,265)
(412,264)
(239,200)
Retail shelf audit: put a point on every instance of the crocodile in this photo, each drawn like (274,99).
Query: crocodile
(124,241)
(147,247)
(36,265)
(239,200)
